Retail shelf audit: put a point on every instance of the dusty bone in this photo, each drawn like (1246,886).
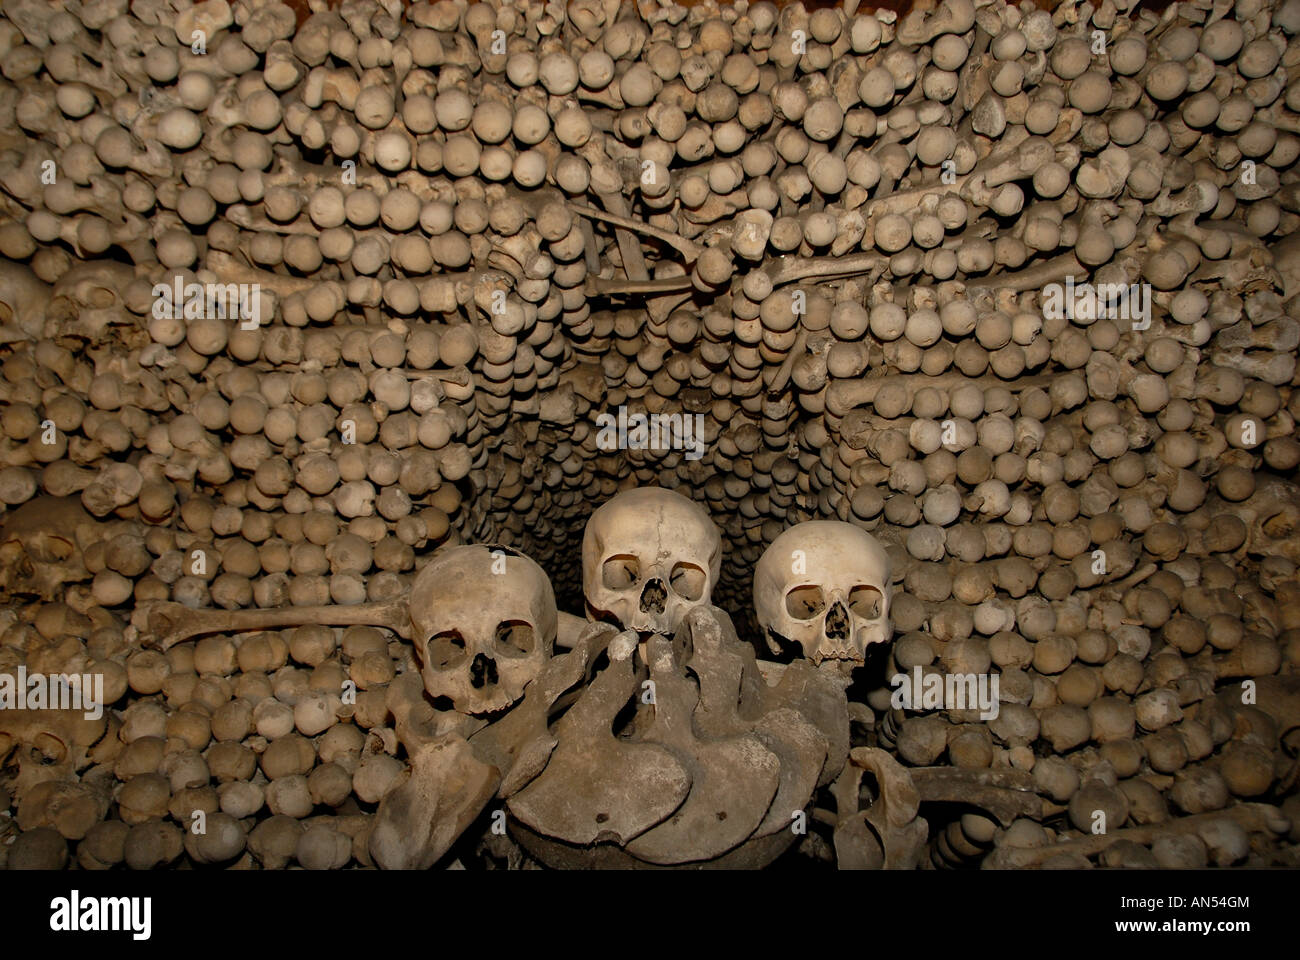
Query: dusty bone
(1253,817)
(452,779)
(736,775)
(844,395)
(87,299)
(48,745)
(840,566)
(1030,278)
(520,743)
(167,623)
(423,815)
(24,297)
(1274,368)
(648,556)
(685,247)
(601,286)
(1007,794)
(789,724)
(596,787)
(794,720)
(895,837)
(458,606)
(629,246)
(993,171)
(41,546)
(792,269)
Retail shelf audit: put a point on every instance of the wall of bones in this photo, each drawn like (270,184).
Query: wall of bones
(515,434)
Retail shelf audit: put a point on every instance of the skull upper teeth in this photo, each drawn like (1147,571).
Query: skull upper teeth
(824,585)
(484,629)
(648,557)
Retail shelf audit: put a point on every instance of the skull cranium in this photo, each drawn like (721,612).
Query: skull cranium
(23,298)
(649,556)
(41,546)
(47,744)
(484,623)
(824,585)
(1272,517)
(88,298)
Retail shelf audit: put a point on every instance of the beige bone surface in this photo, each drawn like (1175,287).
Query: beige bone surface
(1253,817)
(167,623)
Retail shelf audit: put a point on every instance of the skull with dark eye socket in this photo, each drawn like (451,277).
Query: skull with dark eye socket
(41,547)
(89,297)
(484,621)
(824,585)
(649,556)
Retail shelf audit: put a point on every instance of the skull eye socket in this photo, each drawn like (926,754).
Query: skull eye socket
(51,550)
(515,638)
(445,650)
(52,749)
(1279,525)
(866,602)
(688,581)
(806,602)
(620,572)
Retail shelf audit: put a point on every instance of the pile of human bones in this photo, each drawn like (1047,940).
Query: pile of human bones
(366,586)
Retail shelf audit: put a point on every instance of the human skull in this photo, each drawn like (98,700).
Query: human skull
(23,300)
(824,584)
(88,298)
(649,556)
(1272,518)
(41,546)
(483,620)
(47,744)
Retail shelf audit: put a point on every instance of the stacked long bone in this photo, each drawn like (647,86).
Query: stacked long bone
(1002,450)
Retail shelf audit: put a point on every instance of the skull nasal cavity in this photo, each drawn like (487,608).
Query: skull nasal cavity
(837,622)
(482,672)
(653,597)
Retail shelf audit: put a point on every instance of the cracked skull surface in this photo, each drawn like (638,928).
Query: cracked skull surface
(298,298)
(824,585)
(484,623)
(648,557)
(41,547)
